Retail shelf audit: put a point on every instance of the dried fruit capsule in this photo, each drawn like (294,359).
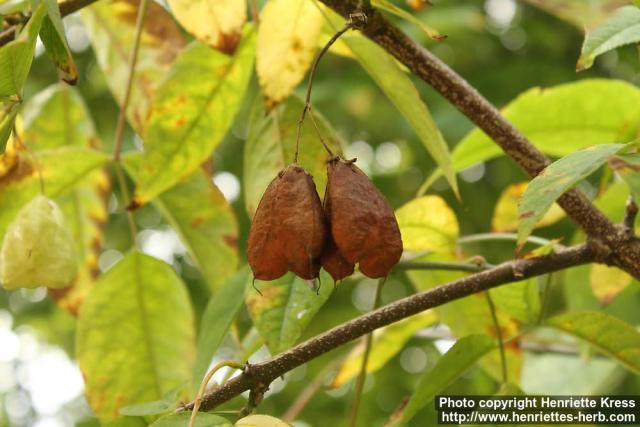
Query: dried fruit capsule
(38,249)
(363,225)
(288,230)
(333,261)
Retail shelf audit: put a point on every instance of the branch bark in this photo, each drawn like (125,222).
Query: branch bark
(264,373)
(66,8)
(620,248)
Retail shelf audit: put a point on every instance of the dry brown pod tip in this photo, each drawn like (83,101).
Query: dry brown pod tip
(361,221)
(288,230)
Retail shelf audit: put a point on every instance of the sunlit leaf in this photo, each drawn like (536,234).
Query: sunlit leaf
(505,215)
(55,42)
(217,23)
(556,179)
(607,282)
(620,29)
(58,117)
(403,94)
(463,355)
(628,167)
(111,28)
(182,420)
(192,111)
(260,421)
(60,169)
(17,55)
(8,112)
(610,335)
(153,354)
(285,308)
(520,300)
(387,342)
(270,147)
(287,39)
(428,224)
(560,120)
(167,403)
(216,320)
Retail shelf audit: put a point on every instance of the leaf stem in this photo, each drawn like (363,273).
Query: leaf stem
(307,101)
(365,360)
(496,324)
(122,116)
(205,382)
(446,266)
(487,237)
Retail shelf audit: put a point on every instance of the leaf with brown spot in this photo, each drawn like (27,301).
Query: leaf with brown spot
(362,223)
(288,230)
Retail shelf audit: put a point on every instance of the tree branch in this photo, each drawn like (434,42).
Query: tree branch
(66,8)
(624,250)
(266,372)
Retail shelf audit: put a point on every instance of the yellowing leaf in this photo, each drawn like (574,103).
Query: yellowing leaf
(428,224)
(505,216)
(191,113)
(260,421)
(217,23)
(111,28)
(287,39)
(607,282)
(387,342)
(38,249)
(135,337)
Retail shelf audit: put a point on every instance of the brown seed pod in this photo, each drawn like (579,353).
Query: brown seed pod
(363,225)
(288,230)
(333,261)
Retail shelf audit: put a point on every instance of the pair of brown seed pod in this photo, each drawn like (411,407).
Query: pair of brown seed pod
(293,231)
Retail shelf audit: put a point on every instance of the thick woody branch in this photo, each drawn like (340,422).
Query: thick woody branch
(66,8)
(622,249)
(262,374)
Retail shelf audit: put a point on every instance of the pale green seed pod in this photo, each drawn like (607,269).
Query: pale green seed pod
(38,249)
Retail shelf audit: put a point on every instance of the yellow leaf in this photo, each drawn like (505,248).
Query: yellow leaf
(607,282)
(505,216)
(217,23)
(287,39)
(427,224)
(260,421)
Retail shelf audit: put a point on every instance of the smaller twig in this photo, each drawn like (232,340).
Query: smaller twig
(205,382)
(496,324)
(487,237)
(630,214)
(312,74)
(544,299)
(447,266)
(365,360)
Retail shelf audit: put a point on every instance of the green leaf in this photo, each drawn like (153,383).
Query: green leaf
(403,94)
(560,120)
(403,14)
(583,14)
(464,354)
(387,342)
(60,168)
(521,300)
(628,167)
(167,403)
(8,113)
(427,223)
(216,320)
(270,147)
(556,179)
(16,56)
(111,28)
(135,336)
(182,420)
(610,335)
(57,116)
(620,29)
(191,113)
(285,308)
(55,43)
(260,421)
